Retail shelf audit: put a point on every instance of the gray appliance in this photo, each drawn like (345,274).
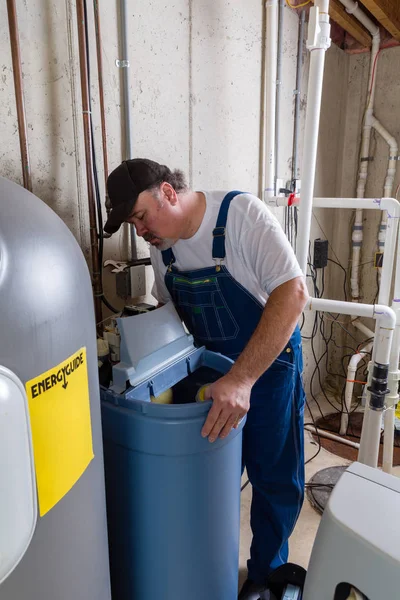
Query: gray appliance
(53,538)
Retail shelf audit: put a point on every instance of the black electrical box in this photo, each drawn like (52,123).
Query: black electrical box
(320,253)
(378,260)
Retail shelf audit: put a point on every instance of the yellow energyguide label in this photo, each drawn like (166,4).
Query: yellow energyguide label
(59,408)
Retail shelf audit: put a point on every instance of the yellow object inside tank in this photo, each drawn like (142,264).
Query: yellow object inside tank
(166,397)
(200,396)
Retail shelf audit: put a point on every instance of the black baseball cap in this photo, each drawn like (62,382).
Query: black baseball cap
(124,185)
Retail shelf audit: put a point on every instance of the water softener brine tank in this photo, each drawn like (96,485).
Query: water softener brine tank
(173,499)
(53,534)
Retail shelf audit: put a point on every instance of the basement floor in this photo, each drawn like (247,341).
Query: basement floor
(302,539)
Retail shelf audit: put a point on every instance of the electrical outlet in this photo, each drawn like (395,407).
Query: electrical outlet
(138,281)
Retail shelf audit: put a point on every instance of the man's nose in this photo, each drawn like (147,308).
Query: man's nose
(140,229)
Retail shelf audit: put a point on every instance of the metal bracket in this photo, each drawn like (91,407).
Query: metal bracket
(122,64)
(367,159)
(394,157)
(119,266)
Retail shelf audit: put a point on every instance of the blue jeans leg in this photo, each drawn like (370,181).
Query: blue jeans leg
(273,453)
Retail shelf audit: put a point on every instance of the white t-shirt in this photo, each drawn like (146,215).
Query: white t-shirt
(258,253)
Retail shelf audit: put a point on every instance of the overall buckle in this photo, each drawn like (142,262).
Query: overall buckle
(218,263)
(219,232)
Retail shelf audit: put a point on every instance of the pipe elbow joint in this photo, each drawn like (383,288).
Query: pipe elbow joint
(385,315)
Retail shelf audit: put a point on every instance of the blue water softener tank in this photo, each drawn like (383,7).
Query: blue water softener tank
(173,499)
(53,528)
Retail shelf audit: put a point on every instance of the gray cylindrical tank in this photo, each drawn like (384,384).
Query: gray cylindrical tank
(46,316)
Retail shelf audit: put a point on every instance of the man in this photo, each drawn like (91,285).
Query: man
(226,264)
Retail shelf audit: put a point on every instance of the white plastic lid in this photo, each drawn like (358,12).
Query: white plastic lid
(149,343)
(18,504)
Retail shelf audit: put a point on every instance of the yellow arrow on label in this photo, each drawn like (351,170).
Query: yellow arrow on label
(59,408)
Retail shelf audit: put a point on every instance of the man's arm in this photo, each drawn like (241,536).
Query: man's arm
(231,393)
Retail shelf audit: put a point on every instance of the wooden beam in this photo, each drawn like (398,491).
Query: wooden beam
(387,12)
(338,13)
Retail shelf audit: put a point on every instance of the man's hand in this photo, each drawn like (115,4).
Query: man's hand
(231,402)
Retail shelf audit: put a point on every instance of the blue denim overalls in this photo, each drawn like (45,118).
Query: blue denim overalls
(222,315)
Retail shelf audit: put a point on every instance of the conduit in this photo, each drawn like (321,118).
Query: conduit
(101,98)
(19,94)
(124,65)
(96,274)
(271,8)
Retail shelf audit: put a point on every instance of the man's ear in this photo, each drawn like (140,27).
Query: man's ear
(169,193)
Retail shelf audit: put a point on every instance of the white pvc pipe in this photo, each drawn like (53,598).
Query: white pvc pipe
(390,176)
(318,42)
(271,7)
(386,322)
(389,246)
(391,400)
(389,241)
(348,393)
(353,9)
(331,436)
(370,438)
(363,328)
(357,233)
(389,204)
(394,375)
(385,316)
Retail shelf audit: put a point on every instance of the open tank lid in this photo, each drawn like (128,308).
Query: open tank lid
(150,342)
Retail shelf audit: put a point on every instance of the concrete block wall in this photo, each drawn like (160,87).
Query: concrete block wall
(195,79)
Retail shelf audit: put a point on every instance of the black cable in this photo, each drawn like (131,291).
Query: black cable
(316,433)
(345,276)
(100,233)
(244,486)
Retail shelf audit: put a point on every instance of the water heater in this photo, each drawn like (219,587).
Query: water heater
(53,538)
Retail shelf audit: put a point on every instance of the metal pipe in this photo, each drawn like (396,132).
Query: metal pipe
(281,9)
(96,274)
(19,94)
(318,42)
(297,94)
(270,95)
(101,97)
(126,104)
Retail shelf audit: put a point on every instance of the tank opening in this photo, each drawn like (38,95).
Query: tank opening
(184,392)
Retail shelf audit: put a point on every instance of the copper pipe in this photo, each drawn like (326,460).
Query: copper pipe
(19,94)
(101,96)
(96,273)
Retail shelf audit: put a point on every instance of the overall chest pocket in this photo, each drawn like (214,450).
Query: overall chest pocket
(204,308)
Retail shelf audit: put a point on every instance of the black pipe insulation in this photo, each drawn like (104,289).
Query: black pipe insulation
(379,386)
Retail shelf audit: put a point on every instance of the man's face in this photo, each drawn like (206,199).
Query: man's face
(153,217)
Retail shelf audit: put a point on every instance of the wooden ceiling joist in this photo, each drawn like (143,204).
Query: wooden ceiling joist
(387,12)
(338,13)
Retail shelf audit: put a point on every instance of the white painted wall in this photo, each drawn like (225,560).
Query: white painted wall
(196,94)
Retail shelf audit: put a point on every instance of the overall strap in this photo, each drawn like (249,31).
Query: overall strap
(218,249)
(168,257)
